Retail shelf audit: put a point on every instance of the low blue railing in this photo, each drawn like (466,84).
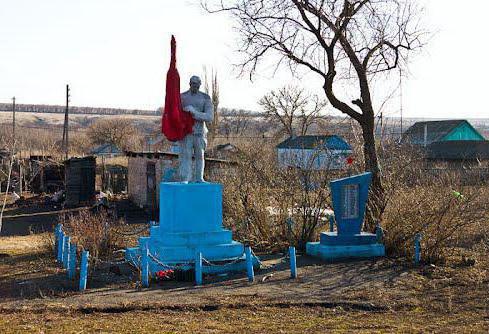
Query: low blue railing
(66,255)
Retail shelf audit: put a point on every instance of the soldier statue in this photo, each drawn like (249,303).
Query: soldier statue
(199,105)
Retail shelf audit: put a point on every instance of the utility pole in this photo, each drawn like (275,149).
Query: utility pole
(65,126)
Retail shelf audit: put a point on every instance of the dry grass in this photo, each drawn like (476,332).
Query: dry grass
(249,320)
(35,243)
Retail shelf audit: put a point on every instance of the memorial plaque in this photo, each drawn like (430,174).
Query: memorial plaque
(350,199)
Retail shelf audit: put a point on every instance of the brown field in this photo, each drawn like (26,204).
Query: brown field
(55,119)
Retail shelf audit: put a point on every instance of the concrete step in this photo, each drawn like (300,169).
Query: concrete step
(176,254)
(327,252)
(333,239)
(192,239)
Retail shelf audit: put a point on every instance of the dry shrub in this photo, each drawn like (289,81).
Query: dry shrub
(259,197)
(93,232)
(439,204)
(444,218)
(48,242)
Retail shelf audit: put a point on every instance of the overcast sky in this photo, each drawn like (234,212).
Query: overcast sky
(115,53)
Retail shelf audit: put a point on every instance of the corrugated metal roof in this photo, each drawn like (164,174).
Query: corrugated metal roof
(331,142)
(436,130)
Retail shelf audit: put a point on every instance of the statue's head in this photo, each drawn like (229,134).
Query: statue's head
(195,84)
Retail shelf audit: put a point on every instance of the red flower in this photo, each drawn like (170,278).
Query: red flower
(164,274)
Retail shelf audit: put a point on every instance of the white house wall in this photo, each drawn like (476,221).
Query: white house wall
(313,159)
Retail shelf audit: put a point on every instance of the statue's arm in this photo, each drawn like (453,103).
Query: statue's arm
(208,114)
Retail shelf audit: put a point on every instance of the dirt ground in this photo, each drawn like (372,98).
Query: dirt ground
(363,296)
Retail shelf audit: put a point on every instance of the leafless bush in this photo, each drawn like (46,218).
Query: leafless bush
(445,217)
(93,232)
(48,242)
(80,144)
(119,132)
(440,206)
(272,207)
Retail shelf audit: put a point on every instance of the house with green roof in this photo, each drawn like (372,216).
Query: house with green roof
(426,133)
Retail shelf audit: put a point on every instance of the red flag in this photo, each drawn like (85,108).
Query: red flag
(176,123)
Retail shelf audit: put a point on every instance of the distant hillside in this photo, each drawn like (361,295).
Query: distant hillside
(41,108)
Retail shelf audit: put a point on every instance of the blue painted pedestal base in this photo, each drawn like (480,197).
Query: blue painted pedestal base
(334,247)
(191,222)
(349,196)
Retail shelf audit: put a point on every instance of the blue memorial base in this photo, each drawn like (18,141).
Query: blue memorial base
(349,196)
(335,247)
(190,222)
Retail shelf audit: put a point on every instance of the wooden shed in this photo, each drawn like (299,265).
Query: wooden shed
(80,181)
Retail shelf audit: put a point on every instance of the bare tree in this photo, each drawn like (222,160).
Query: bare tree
(236,122)
(352,41)
(215,102)
(119,132)
(213,91)
(293,108)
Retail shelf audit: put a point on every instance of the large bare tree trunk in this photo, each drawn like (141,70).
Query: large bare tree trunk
(376,203)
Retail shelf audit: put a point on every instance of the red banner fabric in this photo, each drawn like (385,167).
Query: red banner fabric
(176,123)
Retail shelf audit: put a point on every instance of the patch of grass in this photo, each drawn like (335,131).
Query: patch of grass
(252,320)
(28,244)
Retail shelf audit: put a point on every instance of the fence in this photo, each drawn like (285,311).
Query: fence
(66,255)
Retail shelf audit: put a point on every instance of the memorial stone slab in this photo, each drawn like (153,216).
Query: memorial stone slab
(349,197)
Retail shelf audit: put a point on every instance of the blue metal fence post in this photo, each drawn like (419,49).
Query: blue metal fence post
(84,270)
(145,267)
(198,268)
(293,262)
(331,223)
(72,261)
(61,244)
(249,264)
(57,235)
(66,251)
(417,248)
